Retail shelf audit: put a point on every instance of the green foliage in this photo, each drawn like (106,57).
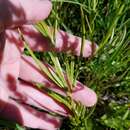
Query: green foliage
(113,118)
(106,23)
(8,125)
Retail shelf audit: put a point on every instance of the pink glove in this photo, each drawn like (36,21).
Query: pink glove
(16,96)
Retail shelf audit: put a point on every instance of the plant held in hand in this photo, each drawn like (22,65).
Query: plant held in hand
(20,100)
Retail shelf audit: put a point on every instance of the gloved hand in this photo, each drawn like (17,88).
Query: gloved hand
(19,98)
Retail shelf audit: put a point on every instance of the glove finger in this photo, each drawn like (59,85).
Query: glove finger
(29,117)
(84,95)
(65,42)
(19,12)
(28,94)
(30,72)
